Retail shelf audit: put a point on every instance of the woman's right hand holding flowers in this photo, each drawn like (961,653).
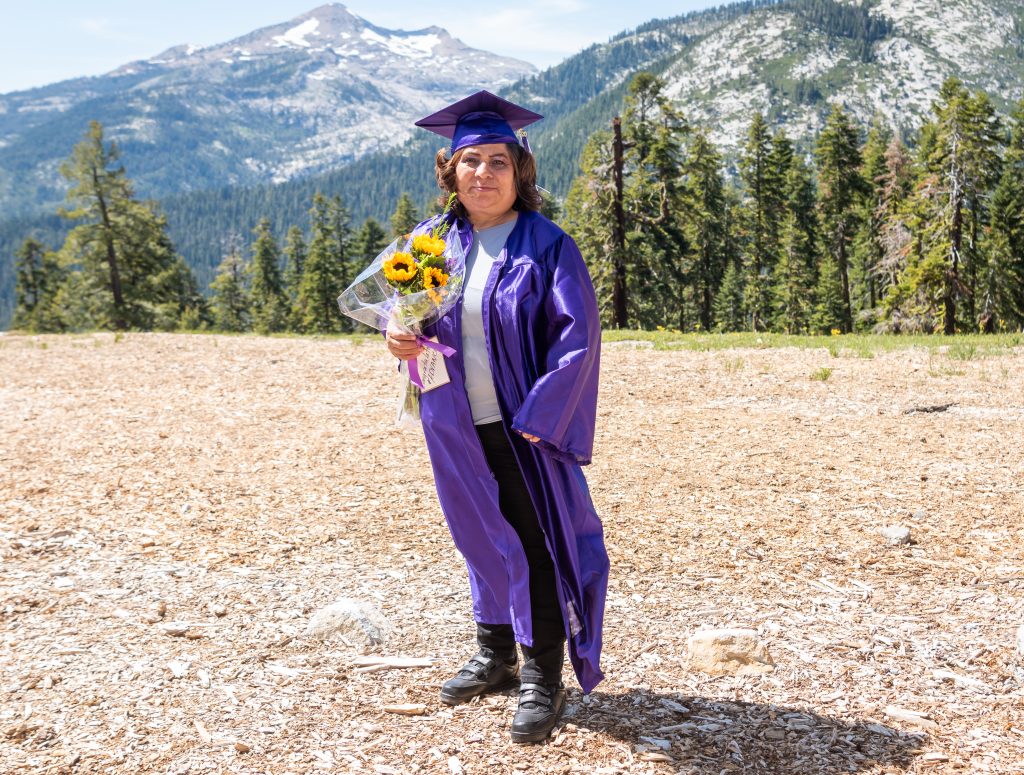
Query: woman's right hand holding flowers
(402,344)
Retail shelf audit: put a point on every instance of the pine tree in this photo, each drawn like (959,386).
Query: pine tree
(368,242)
(123,248)
(326,271)
(230,301)
(269,303)
(653,198)
(780,163)
(346,268)
(912,301)
(185,308)
(706,218)
(840,185)
(189,310)
(1006,286)
(80,304)
(892,192)
(793,290)
(550,207)
(983,168)
(589,218)
(730,312)
(868,251)
(948,216)
(405,217)
(38,275)
(763,189)
(295,263)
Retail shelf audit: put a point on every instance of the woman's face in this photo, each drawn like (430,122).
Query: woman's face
(486,183)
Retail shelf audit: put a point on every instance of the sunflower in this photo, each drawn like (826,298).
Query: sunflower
(400,268)
(434,277)
(431,246)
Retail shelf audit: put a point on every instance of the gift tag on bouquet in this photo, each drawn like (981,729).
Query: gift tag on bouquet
(432,369)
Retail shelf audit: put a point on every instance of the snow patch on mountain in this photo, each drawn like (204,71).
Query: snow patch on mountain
(296,98)
(411,46)
(296,36)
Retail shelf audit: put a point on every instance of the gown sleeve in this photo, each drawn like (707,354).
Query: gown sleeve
(561,407)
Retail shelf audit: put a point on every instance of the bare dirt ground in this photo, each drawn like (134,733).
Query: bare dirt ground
(174,508)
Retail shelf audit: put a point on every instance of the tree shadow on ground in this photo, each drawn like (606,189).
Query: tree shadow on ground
(707,736)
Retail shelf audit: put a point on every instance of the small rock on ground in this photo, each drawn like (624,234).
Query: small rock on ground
(896,534)
(729,652)
(355,620)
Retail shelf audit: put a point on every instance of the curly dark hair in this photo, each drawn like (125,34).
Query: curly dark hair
(524,168)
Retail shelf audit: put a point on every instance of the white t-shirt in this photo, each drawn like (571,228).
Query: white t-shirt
(487,248)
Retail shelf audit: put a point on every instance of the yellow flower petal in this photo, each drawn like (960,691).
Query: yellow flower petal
(400,268)
(431,246)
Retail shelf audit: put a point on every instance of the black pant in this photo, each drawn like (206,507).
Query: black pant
(543,660)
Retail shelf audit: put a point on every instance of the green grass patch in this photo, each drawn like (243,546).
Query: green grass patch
(963,347)
(945,371)
(822,374)
(846,345)
(732,365)
(962,351)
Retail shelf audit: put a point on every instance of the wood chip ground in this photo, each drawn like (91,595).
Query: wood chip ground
(173,509)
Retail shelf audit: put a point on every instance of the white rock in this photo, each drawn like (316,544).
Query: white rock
(896,534)
(355,620)
(729,652)
(657,742)
(1020,640)
(175,629)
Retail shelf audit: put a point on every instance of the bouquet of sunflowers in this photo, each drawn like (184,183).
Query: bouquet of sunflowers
(411,283)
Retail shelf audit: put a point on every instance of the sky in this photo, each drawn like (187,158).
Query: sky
(44,41)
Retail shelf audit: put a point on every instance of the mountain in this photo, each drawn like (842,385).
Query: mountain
(790,59)
(282,102)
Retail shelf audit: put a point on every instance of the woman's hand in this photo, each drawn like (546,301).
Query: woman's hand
(402,344)
(530,437)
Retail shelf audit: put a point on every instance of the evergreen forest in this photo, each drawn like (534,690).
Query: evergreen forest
(869,232)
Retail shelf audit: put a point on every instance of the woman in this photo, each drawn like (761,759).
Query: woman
(508,434)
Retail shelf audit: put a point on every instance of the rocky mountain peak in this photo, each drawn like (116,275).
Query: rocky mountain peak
(328,29)
(291,99)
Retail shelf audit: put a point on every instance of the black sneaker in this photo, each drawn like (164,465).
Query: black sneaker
(540,706)
(479,675)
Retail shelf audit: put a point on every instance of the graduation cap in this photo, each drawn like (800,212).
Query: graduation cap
(480,119)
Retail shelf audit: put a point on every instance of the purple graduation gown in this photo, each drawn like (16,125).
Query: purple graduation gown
(543,337)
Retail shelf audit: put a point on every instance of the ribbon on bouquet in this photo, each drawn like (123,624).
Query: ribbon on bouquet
(414,369)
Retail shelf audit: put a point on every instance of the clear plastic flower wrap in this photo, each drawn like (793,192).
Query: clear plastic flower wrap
(411,284)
